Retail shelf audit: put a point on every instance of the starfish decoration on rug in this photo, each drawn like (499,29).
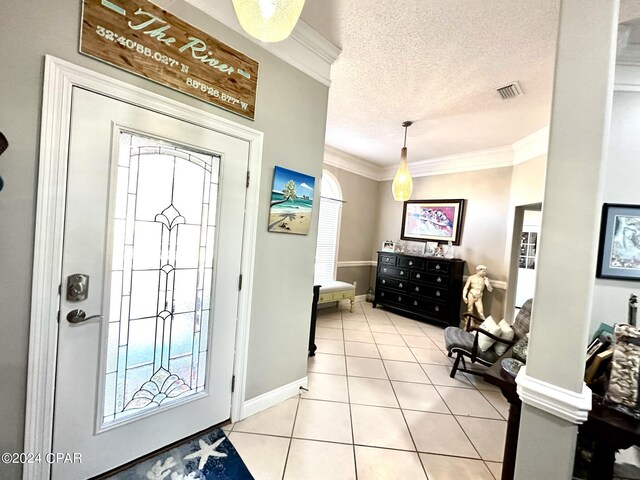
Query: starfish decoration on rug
(206,451)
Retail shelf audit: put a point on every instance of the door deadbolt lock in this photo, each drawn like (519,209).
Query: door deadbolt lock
(77,287)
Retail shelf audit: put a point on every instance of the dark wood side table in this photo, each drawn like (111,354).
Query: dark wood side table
(496,375)
(610,429)
(314,315)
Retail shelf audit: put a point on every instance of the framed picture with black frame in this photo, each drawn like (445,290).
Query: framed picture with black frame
(619,248)
(433,220)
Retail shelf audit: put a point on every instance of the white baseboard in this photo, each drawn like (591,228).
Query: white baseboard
(361,298)
(269,399)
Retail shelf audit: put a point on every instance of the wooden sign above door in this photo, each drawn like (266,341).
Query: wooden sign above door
(144,39)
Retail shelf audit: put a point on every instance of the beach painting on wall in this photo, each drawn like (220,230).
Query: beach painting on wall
(291,202)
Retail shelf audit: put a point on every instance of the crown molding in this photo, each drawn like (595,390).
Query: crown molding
(351,163)
(525,149)
(531,146)
(463,162)
(305,49)
(571,406)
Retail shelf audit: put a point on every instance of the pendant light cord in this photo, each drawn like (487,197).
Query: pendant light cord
(405,136)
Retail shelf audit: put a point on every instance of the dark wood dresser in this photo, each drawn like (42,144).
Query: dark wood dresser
(428,288)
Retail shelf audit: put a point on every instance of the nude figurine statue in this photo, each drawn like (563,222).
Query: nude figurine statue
(474,288)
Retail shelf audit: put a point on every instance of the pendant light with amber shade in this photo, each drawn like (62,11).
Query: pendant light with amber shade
(402,183)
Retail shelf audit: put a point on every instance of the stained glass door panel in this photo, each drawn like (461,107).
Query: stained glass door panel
(163,245)
(158,228)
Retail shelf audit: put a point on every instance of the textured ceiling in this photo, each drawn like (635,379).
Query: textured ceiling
(437,63)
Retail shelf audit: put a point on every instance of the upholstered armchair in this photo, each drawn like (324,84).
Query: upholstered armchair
(463,342)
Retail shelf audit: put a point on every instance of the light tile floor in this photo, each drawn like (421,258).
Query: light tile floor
(380,405)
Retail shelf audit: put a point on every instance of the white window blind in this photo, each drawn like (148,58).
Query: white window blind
(328,226)
(325,269)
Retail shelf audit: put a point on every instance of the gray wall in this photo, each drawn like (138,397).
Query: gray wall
(622,170)
(484,234)
(278,342)
(358,226)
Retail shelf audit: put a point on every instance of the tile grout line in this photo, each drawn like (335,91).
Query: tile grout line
(402,413)
(353,440)
(293,426)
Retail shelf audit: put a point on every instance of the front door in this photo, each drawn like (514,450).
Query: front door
(149,287)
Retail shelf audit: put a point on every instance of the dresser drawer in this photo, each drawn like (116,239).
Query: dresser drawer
(387,259)
(426,306)
(389,296)
(432,278)
(429,291)
(385,271)
(437,266)
(412,263)
(387,282)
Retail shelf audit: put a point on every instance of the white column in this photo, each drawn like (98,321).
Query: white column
(551,387)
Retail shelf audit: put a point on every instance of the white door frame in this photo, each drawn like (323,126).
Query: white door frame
(59,79)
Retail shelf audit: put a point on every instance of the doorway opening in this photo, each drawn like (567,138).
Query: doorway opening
(524,255)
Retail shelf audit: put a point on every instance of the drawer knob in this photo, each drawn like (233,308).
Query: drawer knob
(437,309)
(437,267)
(399,299)
(418,275)
(415,303)
(410,263)
(384,270)
(400,285)
(439,280)
(438,293)
(382,294)
(384,281)
(401,272)
(417,289)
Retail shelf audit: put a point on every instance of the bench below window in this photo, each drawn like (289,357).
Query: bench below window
(336,291)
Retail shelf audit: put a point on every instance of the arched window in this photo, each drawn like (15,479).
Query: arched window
(328,229)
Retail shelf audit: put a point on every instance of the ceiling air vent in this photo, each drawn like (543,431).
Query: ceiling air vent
(510,91)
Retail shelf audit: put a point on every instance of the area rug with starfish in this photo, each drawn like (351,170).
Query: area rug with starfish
(208,457)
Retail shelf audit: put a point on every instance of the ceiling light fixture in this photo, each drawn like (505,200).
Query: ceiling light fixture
(268,20)
(402,183)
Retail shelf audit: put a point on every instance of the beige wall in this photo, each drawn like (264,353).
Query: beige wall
(358,226)
(485,225)
(622,171)
(278,343)
(359,215)
(527,188)
(527,181)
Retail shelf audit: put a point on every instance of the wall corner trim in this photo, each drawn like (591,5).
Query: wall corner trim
(305,49)
(271,398)
(566,404)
